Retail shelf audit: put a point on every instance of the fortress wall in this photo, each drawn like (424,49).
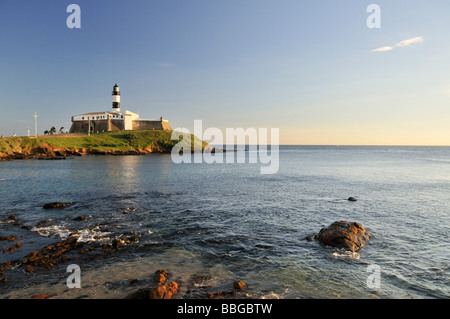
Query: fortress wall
(79,127)
(96,126)
(151,125)
(99,125)
(117,125)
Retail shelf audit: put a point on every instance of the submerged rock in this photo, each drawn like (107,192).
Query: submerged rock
(52,255)
(129,210)
(12,249)
(43,222)
(9,238)
(80,218)
(352,199)
(133,282)
(56,205)
(343,234)
(239,284)
(43,296)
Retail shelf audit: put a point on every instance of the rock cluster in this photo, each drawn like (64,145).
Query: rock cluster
(237,285)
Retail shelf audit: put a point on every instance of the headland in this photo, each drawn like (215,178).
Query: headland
(60,146)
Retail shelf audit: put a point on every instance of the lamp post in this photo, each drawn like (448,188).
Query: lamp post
(35,124)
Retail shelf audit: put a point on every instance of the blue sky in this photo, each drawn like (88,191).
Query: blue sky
(305,67)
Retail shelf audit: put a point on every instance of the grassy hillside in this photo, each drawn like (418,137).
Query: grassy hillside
(110,141)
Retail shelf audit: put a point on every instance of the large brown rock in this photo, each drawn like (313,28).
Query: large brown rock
(162,291)
(343,234)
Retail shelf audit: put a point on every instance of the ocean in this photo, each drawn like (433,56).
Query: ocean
(211,224)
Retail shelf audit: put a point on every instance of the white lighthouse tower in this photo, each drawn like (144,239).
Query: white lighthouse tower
(116,98)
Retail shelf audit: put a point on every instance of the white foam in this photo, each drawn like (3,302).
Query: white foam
(53,231)
(270,295)
(346,254)
(92,235)
(83,235)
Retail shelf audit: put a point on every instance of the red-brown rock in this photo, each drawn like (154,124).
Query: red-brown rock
(239,284)
(8,238)
(160,292)
(160,276)
(343,234)
(41,296)
(164,292)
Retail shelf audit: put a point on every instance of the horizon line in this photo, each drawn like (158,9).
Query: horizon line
(340,145)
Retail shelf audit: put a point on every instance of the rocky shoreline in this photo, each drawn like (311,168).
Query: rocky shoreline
(71,250)
(341,234)
(50,152)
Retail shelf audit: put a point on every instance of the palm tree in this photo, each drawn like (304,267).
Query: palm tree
(61,130)
(52,130)
(45,132)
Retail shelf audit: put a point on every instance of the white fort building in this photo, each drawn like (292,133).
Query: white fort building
(115,120)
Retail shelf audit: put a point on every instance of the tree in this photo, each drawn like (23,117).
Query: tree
(52,130)
(61,130)
(45,132)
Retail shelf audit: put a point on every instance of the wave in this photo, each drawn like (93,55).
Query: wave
(82,235)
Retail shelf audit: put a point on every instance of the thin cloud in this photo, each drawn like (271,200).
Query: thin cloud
(406,43)
(166,65)
(401,44)
(383,49)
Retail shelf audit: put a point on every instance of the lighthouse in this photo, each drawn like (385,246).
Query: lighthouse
(116,98)
(115,120)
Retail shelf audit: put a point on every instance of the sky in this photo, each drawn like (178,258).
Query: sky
(313,69)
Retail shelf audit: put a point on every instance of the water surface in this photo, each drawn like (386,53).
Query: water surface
(228,222)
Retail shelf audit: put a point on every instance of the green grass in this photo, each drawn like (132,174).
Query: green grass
(117,141)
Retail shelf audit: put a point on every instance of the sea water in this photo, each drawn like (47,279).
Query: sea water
(226,222)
